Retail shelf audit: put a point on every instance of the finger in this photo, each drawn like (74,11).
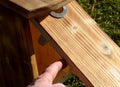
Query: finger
(59,85)
(51,72)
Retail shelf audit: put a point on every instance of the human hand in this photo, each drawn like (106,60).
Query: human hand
(46,79)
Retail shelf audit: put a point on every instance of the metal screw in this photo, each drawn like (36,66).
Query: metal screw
(61,14)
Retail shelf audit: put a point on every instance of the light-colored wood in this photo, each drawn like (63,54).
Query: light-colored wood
(32,5)
(34,66)
(86,45)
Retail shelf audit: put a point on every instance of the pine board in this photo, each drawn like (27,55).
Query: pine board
(32,5)
(79,37)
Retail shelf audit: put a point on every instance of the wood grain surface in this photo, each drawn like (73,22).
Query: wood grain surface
(86,46)
(33,8)
(32,5)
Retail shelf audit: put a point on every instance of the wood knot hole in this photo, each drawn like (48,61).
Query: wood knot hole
(106,48)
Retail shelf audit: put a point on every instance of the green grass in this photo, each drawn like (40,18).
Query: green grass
(73,81)
(106,14)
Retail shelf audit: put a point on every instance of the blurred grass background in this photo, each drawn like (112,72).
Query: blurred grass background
(107,14)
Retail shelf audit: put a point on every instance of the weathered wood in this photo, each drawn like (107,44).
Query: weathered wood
(32,5)
(32,8)
(78,37)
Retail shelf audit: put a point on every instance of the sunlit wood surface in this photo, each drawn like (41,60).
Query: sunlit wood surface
(86,46)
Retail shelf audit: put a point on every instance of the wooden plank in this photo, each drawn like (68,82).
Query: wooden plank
(34,66)
(80,40)
(15,8)
(45,54)
(32,8)
(59,50)
(32,5)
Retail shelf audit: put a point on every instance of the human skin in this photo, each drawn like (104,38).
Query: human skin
(46,79)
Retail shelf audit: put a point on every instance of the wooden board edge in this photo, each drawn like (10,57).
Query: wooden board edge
(62,54)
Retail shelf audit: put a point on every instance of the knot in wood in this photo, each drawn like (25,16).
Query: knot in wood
(106,48)
(74,29)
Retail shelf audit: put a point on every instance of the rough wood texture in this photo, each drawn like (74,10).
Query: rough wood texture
(32,5)
(86,45)
(32,8)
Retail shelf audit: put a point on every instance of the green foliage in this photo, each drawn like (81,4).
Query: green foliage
(107,14)
(73,81)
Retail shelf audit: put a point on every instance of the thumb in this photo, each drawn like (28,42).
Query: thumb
(59,85)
